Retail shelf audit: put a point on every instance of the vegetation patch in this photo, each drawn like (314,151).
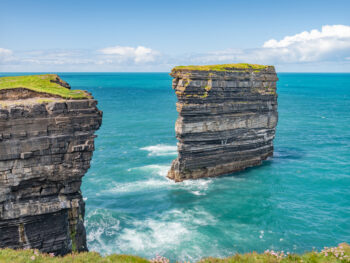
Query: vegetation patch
(46,84)
(72,237)
(224,67)
(26,256)
(340,254)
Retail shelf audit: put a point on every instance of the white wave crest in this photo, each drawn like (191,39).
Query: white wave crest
(160,150)
(152,234)
(143,185)
(154,169)
(100,224)
(197,187)
(164,232)
(156,179)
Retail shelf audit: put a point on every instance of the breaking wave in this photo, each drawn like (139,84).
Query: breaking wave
(156,179)
(161,234)
(160,150)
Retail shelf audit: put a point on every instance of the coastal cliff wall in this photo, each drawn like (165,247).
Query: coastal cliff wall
(46,144)
(227,118)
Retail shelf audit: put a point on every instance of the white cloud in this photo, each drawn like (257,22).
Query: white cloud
(139,60)
(5,55)
(56,57)
(328,33)
(139,54)
(327,49)
(332,43)
(5,52)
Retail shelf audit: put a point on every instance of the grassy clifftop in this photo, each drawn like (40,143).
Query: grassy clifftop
(48,84)
(340,254)
(25,256)
(223,67)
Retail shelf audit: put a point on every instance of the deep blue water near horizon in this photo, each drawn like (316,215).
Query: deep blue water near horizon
(297,201)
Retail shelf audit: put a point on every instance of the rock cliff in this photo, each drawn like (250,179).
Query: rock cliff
(227,118)
(46,144)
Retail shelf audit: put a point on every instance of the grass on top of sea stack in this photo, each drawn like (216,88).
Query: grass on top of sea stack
(223,67)
(46,83)
(340,254)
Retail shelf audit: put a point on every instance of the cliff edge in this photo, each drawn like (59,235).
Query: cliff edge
(46,144)
(227,118)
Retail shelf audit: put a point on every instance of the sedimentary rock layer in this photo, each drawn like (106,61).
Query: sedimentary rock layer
(46,145)
(227,119)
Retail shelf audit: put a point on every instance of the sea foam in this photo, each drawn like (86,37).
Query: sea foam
(167,231)
(154,169)
(160,150)
(156,179)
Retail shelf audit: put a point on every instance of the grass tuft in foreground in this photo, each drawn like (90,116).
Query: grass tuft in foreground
(340,254)
(30,255)
(46,83)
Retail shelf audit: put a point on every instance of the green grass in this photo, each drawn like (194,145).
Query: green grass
(223,67)
(25,256)
(41,84)
(340,254)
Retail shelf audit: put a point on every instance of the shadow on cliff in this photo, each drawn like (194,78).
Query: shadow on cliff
(288,153)
(196,190)
(281,154)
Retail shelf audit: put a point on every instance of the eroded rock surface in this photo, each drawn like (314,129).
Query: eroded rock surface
(226,122)
(46,145)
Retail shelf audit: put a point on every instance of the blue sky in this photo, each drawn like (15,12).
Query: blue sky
(157,35)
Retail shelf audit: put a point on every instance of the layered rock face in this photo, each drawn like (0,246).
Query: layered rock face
(227,118)
(46,144)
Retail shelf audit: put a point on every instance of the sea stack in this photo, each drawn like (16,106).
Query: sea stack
(227,118)
(46,144)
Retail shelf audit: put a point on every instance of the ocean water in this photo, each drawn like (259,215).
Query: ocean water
(297,201)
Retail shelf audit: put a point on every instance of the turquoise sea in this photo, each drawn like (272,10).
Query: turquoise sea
(297,201)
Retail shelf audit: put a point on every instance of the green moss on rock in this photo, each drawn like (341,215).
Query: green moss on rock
(46,83)
(223,67)
(72,237)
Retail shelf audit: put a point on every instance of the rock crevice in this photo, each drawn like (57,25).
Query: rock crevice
(227,119)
